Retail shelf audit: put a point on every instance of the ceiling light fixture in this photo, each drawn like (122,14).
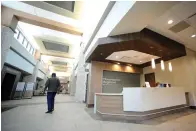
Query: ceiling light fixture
(162,65)
(118,63)
(193,36)
(153,63)
(170,67)
(140,61)
(170,22)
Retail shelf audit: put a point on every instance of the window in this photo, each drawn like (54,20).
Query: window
(25,43)
(21,38)
(16,34)
(31,50)
(34,52)
(28,47)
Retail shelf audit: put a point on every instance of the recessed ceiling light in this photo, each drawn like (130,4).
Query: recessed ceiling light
(118,63)
(101,53)
(170,22)
(193,36)
(140,61)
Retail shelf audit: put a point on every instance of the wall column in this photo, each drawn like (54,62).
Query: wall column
(8,18)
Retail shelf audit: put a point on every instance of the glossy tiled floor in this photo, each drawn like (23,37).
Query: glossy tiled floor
(71,116)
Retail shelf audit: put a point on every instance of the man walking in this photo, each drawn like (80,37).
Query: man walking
(52,84)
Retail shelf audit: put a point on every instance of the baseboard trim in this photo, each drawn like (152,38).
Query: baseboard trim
(193,107)
(140,115)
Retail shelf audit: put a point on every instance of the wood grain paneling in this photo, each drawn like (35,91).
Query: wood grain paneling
(111,106)
(145,41)
(96,73)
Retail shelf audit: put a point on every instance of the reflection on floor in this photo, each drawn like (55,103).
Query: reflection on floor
(7,108)
(154,121)
(71,116)
(60,98)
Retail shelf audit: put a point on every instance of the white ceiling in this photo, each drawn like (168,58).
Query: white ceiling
(178,13)
(131,56)
(37,31)
(48,60)
(155,15)
(38,34)
(140,15)
(83,11)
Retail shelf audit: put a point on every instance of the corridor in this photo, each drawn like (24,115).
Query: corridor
(72,116)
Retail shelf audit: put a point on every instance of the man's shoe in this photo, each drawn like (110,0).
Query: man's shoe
(49,112)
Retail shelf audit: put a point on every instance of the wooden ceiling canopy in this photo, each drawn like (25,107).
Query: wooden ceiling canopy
(145,41)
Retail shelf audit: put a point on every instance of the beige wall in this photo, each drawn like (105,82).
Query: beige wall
(183,74)
(96,72)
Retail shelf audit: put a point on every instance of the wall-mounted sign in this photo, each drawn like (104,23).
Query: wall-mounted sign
(113,81)
(20,86)
(29,86)
(107,81)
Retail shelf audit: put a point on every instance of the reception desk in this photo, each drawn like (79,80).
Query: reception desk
(140,103)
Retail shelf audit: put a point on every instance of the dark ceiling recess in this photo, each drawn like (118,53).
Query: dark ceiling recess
(56,47)
(59,63)
(145,41)
(68,5)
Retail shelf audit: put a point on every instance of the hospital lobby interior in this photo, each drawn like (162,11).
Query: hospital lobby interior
(122,65)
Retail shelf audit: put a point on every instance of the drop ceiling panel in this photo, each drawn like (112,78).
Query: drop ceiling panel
(131,56)
(180,12)
(56,47)
(68,5)
(179,27)
(59,63)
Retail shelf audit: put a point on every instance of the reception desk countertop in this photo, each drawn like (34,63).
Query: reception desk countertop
(146,99)
(109,94)
(139,101)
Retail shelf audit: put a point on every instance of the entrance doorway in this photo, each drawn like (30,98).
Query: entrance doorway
(7,86)
(9,80)
(151,79)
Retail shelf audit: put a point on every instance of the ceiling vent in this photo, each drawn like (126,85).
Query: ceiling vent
(56,47)
(179,27)
(59,63)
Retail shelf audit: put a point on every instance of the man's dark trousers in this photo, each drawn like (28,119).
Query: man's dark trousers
(50,100)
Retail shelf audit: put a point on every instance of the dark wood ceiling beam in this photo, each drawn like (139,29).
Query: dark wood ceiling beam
(146,41)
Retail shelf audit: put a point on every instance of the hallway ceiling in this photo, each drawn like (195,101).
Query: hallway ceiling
(59,22)
(62,66)
(40,35)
